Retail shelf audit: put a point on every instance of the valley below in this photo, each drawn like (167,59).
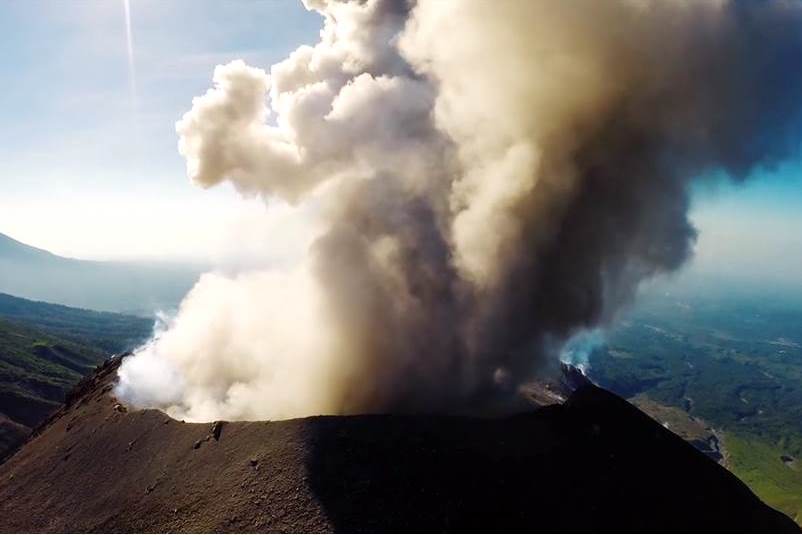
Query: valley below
(725,374)
(45,350)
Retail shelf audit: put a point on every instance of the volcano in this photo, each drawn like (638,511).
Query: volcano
(590,463)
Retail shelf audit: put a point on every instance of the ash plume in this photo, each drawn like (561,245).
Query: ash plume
(493,178)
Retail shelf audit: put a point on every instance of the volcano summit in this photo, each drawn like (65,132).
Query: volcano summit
(593,463)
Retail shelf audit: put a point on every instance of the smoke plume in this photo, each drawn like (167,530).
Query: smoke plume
(493,178)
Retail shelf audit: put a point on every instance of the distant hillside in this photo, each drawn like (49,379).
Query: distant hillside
(12,249)
(36,372)
(110,286)
(45,350)
(110,332)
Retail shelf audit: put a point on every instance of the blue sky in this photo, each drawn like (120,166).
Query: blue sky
(751,230)
(89,169)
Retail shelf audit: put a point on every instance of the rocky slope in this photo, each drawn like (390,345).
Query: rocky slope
(592,463)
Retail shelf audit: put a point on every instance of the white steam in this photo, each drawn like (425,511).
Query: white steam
(578,350)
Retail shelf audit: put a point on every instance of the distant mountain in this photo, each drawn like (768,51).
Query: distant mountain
(138,288)
(13,249)
(45,350)
(592,464)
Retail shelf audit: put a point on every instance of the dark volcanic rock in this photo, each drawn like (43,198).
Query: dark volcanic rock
(217,430)
(593,463)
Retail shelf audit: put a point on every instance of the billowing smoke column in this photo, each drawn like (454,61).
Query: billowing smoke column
(493,177)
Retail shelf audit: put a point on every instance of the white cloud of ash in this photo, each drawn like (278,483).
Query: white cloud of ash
(493,178)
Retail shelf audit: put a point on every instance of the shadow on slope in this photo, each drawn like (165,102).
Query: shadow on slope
(595,463)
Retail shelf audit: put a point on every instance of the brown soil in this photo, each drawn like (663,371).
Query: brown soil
(594,463)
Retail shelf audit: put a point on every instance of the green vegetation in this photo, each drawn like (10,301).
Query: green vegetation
(113,333)
(733,363)
(36,372)
(742,385)
(761,466)
(45,350)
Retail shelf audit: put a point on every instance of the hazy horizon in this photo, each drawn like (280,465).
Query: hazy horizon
(99,156)
(95,150)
